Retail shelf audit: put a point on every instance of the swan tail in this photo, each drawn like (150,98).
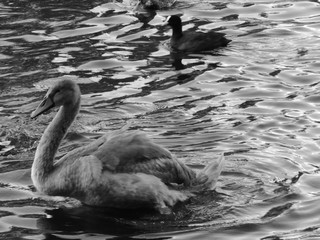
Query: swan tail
(207,178)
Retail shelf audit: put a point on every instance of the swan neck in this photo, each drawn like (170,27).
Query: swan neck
(50,141)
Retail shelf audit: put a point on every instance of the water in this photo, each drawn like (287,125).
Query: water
(256,100)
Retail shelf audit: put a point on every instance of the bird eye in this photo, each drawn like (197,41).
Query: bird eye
(43,102)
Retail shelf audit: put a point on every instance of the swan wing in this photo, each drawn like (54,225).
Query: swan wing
(135,152)
(125,150)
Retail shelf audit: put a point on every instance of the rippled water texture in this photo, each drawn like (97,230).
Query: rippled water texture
(256,100)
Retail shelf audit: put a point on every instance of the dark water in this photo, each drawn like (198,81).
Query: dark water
(256,100)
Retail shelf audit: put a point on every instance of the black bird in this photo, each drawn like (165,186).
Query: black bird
(190,41)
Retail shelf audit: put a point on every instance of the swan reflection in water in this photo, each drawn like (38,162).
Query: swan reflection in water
(201,209)
(122,170)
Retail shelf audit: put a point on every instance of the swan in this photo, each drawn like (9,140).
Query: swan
(190,41)
(119,170)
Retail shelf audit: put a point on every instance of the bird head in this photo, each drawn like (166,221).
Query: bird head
(174,21)
(64,92)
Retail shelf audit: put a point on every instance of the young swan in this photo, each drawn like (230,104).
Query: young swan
(119,170)
(190,41)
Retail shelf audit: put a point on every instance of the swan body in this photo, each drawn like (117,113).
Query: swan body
(190,41)
(120,170)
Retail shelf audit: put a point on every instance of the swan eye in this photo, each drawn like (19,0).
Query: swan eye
(43,102)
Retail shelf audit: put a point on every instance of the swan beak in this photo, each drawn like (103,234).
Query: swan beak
(44,106)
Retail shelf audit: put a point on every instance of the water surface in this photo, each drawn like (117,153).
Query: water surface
(256,101)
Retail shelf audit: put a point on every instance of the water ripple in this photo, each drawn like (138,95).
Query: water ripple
(255,100)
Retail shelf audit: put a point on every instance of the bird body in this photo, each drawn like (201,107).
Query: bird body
(120,170)
(156,4)
(190,41)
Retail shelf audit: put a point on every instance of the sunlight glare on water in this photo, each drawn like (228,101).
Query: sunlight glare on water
(255,100)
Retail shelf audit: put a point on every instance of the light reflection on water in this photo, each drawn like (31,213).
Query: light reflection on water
(256,101)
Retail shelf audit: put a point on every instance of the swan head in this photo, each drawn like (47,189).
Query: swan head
(64,92)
